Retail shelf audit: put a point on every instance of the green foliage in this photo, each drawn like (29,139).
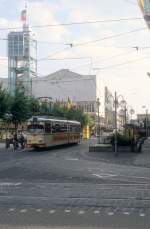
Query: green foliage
(91,122)
(4,102)
(122,140)
(20,107)
(34,106)
(77,114)
(58,111)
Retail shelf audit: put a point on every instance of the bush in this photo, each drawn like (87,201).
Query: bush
(122,140)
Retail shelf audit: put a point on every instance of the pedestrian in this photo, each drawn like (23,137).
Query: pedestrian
(7,143)
(22,141)
(15,141)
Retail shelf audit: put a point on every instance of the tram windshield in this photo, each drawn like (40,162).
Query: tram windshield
(36,128)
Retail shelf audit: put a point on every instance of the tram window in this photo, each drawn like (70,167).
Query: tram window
(35,128)
(47,127)
(55,127)
(59,127)
(74,128)
(63,127)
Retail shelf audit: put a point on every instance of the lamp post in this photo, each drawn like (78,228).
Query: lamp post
(116,104)
(132,112)
(123,104)
(99,126)
(146,121)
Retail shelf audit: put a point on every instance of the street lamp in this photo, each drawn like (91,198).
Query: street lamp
(123,104)
(116,104)
(132,112)
(99,126)
(146,121)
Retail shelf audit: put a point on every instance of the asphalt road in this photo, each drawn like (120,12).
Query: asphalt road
(65,187)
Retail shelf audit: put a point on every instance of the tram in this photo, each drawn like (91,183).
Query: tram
(44,132)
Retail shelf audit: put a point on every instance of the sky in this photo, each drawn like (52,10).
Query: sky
(115,59)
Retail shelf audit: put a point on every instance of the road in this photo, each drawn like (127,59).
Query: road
(69,184)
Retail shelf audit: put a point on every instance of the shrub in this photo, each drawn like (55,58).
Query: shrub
(122,140)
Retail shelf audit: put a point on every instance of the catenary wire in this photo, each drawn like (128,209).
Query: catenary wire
(78,23)
(111,36)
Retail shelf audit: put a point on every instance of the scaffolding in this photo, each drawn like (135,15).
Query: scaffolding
(22,58)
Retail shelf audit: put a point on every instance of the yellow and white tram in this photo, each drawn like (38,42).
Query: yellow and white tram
(45,132)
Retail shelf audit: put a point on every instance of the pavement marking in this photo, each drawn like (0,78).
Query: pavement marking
(96,212)
(11,209)
(142,214)
(52,211)
(81,212)
(9,184)
(67,211)
(72,159)
(23,210)
(110,213)
(104,175)
(126,213)
(38,210)
(135,177)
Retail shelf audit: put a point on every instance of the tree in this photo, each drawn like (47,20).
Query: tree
(78,115)
(44,108)
(34,106)
(5,100)
(91,122)
(20,108)
(58,111)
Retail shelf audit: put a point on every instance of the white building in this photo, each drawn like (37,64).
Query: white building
(81,89)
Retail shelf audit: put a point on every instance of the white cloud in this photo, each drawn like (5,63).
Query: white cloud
(3,66)
(44,13)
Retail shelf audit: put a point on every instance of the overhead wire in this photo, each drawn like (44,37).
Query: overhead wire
(77,23)
(66,58)
(110,37)
(94,41)
(124,63)
(53,54)
(106,59)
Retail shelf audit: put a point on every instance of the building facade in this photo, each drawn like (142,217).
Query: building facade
(22,58)
(82,90)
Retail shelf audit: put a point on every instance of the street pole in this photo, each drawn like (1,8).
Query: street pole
(116,104)
(146,124)
(98,110)
(125,119)
(131,119)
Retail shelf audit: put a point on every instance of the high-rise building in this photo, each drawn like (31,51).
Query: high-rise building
(22,58)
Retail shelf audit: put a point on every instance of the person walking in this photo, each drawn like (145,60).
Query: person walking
(15,141)
(22,141)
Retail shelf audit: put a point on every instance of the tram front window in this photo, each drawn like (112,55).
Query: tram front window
(35,129)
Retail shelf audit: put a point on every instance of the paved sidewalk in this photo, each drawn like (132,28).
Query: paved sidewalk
(143,158)
(2,145)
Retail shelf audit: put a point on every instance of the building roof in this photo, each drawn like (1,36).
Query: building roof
(66,74)
(63,84)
